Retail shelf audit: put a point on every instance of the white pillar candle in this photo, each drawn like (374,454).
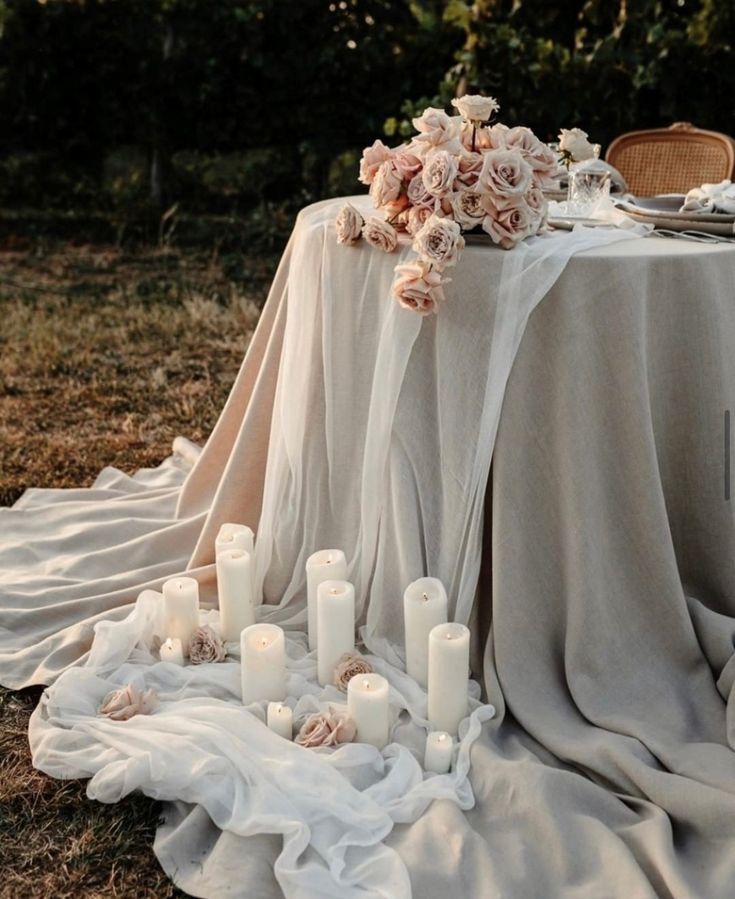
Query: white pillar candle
(449,664)
(234,536)
(172,651)
(335,626)
(181,609)
(263,661)
(367,704)
(280,720)
(438,755)
(424,606)
(235,592)
(325,565)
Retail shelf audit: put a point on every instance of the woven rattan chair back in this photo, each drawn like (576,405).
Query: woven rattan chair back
(672,160)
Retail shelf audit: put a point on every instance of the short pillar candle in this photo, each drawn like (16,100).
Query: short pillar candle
(335,628)
(181,609)
(172,651)
(424,606)
(279,718)
(449,665)
(438,754)
(263,663)
(368,706)
(325,565)
(235,592)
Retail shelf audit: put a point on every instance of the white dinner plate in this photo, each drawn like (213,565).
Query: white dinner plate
(663,212)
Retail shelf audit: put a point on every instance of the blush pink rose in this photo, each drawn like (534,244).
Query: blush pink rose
(122,704)
(509,223)
(437,131)
(372,158)
(416,218)
(505,173)
(386,185)
(467,209)
(407,164)
(380,234)
(439,173)
(418,194)
(418,287)
(396,207)
(537,154)
(536,202)
(439,242)
(326,729)
(348,224)
(469,167)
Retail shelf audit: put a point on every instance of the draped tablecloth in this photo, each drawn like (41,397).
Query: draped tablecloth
(595,563)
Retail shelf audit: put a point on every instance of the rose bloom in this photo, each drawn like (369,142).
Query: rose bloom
(416,218)
(418,195)
(418,287)
(537,154)
(122,704)
(406,163)
(372,159)
(475,107)
(395,207)
(497,136)
(437,131)
(348,224)
(505,173)
(536,202)
(510,223)
(469,168)
(206,646)
(574,142)
(386,184)
(380,234)
(439,242)
(348,666)
(467,209)
(326,729)
(439,173)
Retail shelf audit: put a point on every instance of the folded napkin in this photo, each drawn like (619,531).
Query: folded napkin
(711,198)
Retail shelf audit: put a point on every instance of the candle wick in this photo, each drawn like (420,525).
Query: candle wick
(425,596)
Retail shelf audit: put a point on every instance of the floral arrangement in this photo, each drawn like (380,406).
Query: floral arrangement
(459,173)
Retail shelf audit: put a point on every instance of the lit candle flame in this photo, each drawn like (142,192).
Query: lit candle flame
(264,641)
(425,596)
(442,737)
(334,591)
(366,684)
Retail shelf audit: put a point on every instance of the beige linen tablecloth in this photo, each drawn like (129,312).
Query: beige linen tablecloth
(604,610)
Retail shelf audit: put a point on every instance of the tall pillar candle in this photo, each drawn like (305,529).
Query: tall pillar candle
(325,565)
(234,536)
(368,706)
(424,606)
(438,754)
(449,664)
(181,609)
(263,663)
(279,718)
(335,626)
(235,592)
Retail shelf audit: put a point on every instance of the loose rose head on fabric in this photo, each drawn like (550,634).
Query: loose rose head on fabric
(326,729)
(418,287)
(122,704)
(206,646)
(348,666)
(349,224)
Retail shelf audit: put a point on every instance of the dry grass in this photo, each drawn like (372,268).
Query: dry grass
(104,358)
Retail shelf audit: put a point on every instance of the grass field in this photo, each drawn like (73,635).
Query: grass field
(105,356)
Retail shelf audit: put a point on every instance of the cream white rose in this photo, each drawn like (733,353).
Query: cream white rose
(468,170)
(380,234)
(348,224)
(504,173)
(475,107)
(437,131)
(418,287)
(439,173)
(439,242)
(573,142)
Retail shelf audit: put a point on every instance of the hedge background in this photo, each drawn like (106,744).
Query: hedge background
(130,110)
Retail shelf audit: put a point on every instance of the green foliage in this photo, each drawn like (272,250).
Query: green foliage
(606,65)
